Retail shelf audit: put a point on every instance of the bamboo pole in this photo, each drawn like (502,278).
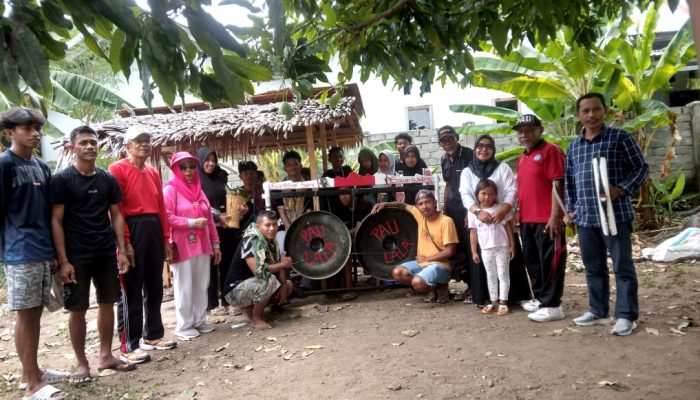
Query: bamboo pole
(311,149)
(324,147)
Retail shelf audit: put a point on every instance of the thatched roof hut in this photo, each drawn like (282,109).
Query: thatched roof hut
(246,129)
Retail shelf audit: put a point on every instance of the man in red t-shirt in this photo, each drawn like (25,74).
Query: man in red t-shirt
(541,168)
(147,236)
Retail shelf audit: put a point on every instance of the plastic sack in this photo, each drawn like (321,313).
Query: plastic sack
(684,244)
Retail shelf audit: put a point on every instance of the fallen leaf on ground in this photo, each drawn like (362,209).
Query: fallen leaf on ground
(307,353)
(607,383)
(271,338)
(107,372)
(488,354)
(200,383)
(397,344)
(228,382)
(329,326)
(314,346)
(409,333)
(248,368)
(273,348)
(187,394)
(337,308)
(683,326)
(501,355)
(652,331)
(259,348)
(224,347)
(676,331)
(306,307)
(227,365)
(288,356)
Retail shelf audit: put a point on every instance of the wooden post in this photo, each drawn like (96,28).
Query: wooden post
(324,147)
(311,149)
(334,138)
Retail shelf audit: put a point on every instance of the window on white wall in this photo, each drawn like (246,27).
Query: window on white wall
(420,117)
(509,103)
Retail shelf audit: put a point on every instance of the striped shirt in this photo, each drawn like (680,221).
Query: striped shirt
(626,170)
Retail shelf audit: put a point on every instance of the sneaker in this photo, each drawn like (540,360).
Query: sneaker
(546,314)
(205,327)
(589,319)
(187,334)
(137,356)
(157,344)
(530,305)
(623,327)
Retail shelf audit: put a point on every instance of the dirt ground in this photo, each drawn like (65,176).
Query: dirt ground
(388,345)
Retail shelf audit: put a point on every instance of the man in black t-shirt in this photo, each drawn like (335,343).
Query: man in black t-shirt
(84,198)
(455,159)
(258,275)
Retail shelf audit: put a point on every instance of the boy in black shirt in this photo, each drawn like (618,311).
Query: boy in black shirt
(84,198)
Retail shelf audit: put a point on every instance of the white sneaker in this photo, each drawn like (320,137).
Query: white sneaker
(187,334)
(546,314)
(205,327)
(530,305)
(590,319)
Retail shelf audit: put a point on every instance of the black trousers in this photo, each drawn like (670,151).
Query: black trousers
(461,272)
(229,239)
(142,286)
(519,289)
(545,260)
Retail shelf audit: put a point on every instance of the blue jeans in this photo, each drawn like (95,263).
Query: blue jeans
(593,252)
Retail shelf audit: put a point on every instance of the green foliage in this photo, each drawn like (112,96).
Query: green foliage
(295,41)
(667,196)
(549,77)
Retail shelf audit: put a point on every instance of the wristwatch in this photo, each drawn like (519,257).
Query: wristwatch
(477,211)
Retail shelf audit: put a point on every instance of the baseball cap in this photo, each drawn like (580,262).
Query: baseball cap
(135,131)
(527,119)
(446,131)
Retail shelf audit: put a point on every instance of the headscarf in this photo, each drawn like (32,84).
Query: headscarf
(213,184)
(265,251)
(484,169)
(415,170)
(192,191)
(369,154)
(392,163)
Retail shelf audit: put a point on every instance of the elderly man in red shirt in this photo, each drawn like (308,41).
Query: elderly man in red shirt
(147,236)
(540,169)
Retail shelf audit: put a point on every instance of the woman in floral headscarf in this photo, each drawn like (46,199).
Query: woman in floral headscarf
(193,233)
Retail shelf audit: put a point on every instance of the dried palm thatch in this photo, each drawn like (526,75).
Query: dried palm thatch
(240,131)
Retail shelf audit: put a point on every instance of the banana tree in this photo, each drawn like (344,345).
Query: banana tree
(548,80)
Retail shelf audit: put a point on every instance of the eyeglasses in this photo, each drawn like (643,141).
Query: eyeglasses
(485,146)
(184,167)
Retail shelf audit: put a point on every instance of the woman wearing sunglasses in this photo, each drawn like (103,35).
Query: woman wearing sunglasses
(193,233)
(485,166)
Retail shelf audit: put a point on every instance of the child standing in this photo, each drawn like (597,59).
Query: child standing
(496,243)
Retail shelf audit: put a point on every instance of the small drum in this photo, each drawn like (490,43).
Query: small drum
(319,244)
(385,240)
(233,217)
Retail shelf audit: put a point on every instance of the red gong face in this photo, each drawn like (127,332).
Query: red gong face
(385,240)
(319,244)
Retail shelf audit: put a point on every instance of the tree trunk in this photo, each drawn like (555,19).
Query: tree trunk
(647,216)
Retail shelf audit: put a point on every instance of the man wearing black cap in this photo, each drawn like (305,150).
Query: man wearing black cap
(540,175)
(455,159)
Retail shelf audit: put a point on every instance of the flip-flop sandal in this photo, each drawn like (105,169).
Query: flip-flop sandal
(47,392)
(218,311)
(49,376)
(80,379)
(119,366)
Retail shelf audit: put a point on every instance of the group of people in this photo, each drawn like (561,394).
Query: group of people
(512,229)
(501,234)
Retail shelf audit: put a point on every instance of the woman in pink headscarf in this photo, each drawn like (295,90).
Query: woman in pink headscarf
(193,233)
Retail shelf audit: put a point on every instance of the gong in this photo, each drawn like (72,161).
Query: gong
(385,240)
(319,244)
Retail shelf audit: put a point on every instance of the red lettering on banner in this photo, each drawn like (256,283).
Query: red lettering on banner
(385,229)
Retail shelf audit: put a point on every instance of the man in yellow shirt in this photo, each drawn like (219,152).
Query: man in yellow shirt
(437,242)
